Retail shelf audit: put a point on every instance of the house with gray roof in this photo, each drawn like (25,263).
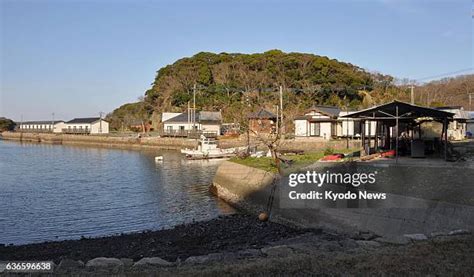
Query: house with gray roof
(181,124)
(325,122)
(457,128)
(318,121)
(262,121)
(87,126)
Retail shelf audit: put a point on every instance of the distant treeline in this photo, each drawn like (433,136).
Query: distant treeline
(6,124)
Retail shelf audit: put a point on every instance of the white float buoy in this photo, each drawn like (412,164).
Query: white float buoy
(158,158)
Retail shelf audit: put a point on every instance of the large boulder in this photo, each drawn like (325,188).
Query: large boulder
(68,264)
(153,261)
(103,262)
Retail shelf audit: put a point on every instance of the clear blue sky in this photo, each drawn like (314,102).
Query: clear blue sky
(76,58)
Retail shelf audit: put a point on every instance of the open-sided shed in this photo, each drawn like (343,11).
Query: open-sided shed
(390,115)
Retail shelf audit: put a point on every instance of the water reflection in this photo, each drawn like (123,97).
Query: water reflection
(50,192)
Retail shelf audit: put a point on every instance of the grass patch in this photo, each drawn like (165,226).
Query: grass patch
(268,164)
(263,163)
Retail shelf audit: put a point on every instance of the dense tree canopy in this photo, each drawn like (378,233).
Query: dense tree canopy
(6,124)
(239,83)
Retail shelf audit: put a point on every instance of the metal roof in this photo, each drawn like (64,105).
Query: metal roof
(326,110)
(405,111)
(458,111)
(262,114)
(200,116)
(83,120)
(41,122)
(210,116)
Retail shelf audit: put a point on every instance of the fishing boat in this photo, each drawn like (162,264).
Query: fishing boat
(207,149)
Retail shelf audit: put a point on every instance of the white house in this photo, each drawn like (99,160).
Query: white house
(458,127)
(89,125)
(325,122)
(319,121)
(470,125)
(352,128)
(42,126)
(179,124)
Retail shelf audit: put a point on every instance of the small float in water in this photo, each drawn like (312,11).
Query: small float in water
(207,149)
(158,159)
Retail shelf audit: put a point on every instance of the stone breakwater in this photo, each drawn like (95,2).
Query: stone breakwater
(304,144)
(102,141)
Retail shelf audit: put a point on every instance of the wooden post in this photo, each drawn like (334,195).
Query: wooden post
(376,136)
(362,128)
(396,134)
(445,127)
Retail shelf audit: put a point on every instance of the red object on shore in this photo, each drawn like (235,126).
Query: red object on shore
(333,157)
(390,153)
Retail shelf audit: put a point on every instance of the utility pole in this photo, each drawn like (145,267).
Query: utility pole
(278,122)
(470,101)
(100,122)
(52,124)
(194,107)
(281,109)
(412,95)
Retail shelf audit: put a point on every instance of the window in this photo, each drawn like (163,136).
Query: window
(169,128)
(315,129)
(181,128)
(356,127)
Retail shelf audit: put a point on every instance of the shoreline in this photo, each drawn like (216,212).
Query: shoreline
(131,143)
(243,245)
(167,143)
(225,233)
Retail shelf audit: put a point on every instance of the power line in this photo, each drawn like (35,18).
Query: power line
(448,74)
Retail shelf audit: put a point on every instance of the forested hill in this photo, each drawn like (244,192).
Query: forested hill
(224,78)
(239,83)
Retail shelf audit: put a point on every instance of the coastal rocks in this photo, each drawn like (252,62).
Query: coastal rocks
(249,253)
(103,262)
(68,264)
(398,240)
(365,235)
(459,232)
(438,234)
(127,262)
(368,243)
(153,261)
(277,251)
(416,237)
(330,246)
(213,257)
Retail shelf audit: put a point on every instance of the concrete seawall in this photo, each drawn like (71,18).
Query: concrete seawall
(425,212)
(102,141)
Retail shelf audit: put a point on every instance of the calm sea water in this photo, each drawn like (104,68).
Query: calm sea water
(54,192)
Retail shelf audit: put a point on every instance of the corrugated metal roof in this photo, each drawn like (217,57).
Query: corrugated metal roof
(326,110)
(459,113)
(200,116)
(262,114)
(41,122)
(83,120)
(409,110)
(210,116)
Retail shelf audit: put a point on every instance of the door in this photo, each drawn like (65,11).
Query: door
(314,129)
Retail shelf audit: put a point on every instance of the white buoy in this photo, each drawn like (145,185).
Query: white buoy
(158,158)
